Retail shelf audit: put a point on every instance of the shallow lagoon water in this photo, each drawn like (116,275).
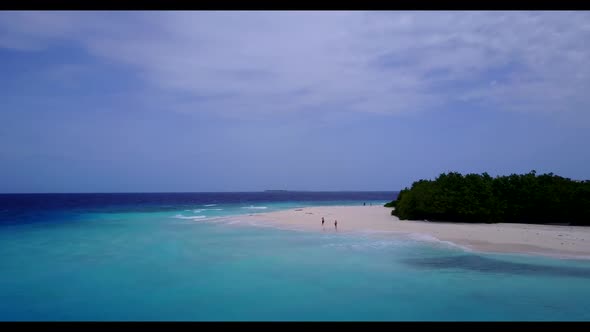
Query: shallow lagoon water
(149,264)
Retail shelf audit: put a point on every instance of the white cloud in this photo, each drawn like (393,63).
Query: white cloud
(384,62)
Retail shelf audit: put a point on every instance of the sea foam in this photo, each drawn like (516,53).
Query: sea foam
(201,210)
(432,239)
(255,207)
(180,216)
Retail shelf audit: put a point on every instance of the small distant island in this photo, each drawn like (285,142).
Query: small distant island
(477,198)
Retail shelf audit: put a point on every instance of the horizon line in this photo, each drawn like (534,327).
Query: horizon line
(185,192)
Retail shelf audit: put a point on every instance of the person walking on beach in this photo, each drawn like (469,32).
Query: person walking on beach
(364,204)
(336,224)
(322,221)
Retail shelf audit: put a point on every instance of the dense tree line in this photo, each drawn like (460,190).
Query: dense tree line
(525,198)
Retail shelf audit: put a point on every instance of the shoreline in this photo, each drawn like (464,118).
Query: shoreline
(556,241)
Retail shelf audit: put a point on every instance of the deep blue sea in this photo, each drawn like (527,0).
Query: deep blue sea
(163,257)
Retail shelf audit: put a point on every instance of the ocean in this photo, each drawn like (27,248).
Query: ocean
(172,257)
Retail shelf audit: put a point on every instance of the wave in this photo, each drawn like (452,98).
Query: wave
(369,245)
(180,216)
(212,209)
(216,219)
(210,205)
(201,210)
(422,237)
(254,207)
(429,238)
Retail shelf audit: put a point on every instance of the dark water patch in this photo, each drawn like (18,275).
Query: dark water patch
(489,265)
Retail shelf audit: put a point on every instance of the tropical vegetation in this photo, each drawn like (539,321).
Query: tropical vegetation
(475,198)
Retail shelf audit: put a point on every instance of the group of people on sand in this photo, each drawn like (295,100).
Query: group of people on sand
(335,223)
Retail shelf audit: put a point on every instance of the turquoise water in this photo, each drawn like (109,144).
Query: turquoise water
(162,266)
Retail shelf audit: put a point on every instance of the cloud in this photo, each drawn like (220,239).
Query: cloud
(380,62)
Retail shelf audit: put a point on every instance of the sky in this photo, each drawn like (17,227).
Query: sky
(246,101)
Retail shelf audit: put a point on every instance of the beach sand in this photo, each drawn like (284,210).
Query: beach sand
(552,240)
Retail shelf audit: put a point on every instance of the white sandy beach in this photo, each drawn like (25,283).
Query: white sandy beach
(564,241)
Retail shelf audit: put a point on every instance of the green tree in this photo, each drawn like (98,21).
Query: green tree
(525,198)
